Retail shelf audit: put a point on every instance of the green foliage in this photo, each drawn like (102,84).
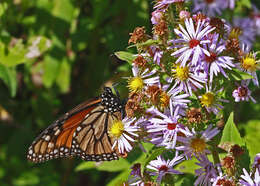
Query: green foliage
(14,55)
(3,8)
(188,166)
(231,133)
(239,75)
(8,75)
(54,55)
(125,56)
(252,137)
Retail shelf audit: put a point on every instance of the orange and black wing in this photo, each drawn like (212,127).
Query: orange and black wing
(82,132)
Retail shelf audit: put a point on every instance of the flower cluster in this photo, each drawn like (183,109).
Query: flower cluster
(183,76)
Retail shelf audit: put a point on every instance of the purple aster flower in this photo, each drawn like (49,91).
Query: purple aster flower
(242,93)
(256,163)
(123,133)
(216,62)
(178,101)
(209,7)
(135,177)
(211,100)
(156,17)
(174,99)
(184,15)
(195,143)
(161,167)
(247,29)
(256,18)
(206,173)
(249,63)
(156,53)
(163,5)
(231,4)
(164,129)
(186,79)
(191,41)
(250,180)
(140,79)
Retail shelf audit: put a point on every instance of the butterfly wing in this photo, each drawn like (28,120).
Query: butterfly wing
(92,141)
(81,132)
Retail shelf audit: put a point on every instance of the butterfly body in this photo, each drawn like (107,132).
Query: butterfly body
(81,132)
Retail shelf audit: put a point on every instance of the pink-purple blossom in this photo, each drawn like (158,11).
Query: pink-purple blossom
(191,40)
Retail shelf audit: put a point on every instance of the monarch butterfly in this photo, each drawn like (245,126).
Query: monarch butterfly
(81,132)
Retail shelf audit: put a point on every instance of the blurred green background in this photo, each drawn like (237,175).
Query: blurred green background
(77,38)
(70,64)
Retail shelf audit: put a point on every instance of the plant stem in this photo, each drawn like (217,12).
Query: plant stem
(215,155)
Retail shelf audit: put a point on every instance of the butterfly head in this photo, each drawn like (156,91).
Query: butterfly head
(111,102)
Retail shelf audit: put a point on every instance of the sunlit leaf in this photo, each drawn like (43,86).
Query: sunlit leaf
(63,78)
(252,137)
(85,166)
(246,3)
(13,55)
(51,70)
(64,9)
(3,8)
(239,75)
(119,179)
(125,56)
(114,166)
(149,42)
(187,166)
(231,133)
(8,75)
(26,178)
(156,152)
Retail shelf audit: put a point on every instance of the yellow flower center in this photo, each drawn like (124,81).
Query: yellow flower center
(181,73)
(116,129)
(207,99)
(198,145)
(164,99)
(249,63)
(135,84)
(235,33)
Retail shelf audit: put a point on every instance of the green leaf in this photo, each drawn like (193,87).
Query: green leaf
(120,179)
(51,70)
(85,166)
(111,166)
(231,133)
(8,75)
(2,172)
(239,75)
(114,166)
(153,155)
(126,56)
(246,3)
(12,56)
(64,10)
(149,42)
(3,8)
(27,178)
(148,146)
(252,137)
(187,166)
(244,159)
(63,78)
(187,180)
